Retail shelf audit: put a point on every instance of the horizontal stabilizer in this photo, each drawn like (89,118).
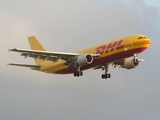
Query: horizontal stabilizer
(24,65)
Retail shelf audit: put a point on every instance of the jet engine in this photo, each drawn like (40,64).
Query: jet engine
(130,63)
(84,59)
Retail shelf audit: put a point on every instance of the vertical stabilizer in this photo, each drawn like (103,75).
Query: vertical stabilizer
(35,45)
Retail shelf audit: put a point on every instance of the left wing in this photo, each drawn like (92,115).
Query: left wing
(128,63)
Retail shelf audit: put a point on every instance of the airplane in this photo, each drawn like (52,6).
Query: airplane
(121,52)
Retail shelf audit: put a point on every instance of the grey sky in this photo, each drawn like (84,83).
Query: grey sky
(69,26)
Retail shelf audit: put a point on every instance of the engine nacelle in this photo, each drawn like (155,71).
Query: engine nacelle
(130,63)
(84,59)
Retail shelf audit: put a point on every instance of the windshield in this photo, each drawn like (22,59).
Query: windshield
(142,37)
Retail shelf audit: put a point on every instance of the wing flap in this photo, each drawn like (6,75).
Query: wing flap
(43,57)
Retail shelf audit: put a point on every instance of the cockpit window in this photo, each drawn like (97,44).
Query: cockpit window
(142,37)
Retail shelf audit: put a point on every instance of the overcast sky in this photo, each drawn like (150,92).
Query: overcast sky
(69,26)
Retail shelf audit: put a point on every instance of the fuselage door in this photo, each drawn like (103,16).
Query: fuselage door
(128,43)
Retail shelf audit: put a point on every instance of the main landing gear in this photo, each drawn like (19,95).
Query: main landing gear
(78,73)
(106,75)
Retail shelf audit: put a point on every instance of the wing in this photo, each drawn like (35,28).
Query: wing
(118,63)
(121,63)
(51,56)
(45,55)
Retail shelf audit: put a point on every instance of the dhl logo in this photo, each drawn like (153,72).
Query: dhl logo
(110,48)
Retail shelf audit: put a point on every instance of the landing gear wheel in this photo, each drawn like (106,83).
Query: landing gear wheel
(109,75)
(77,74)
(81,73)
(104,76)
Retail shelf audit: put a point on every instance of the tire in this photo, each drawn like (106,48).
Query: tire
(81,73)
(109,75)
(103,76)
(106,76)
(75,74)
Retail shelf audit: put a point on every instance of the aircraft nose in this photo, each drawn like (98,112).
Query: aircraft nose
(148,41)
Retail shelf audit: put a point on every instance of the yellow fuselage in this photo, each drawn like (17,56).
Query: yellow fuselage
(110,52)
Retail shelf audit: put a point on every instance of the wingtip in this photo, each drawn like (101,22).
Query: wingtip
(14,49)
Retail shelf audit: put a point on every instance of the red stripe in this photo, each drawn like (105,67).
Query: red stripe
(104,60)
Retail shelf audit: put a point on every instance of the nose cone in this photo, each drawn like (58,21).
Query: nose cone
(147,42)
(142,44)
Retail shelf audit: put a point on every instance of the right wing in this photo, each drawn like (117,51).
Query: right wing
(45,55)
(51,56)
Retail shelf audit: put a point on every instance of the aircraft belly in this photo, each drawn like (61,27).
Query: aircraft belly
(104,60)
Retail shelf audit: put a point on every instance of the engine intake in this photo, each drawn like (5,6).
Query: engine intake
(130,63)
(84,59)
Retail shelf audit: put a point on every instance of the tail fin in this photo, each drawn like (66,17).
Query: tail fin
(35,45)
